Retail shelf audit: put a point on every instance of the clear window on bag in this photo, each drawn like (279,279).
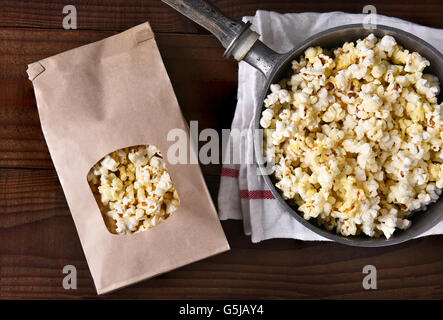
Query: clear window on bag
(133,189)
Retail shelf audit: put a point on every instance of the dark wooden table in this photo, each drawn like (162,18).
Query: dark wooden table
(37,234)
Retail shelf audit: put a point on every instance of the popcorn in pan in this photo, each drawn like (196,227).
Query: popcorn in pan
(356,136)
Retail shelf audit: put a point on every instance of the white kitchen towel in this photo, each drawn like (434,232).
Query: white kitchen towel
(243,194)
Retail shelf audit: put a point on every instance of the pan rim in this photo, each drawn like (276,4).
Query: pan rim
(365,241)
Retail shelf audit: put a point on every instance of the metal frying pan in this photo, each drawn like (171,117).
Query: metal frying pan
(243,44)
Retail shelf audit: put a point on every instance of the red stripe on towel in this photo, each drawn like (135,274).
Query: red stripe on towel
(256,194)
(229,172)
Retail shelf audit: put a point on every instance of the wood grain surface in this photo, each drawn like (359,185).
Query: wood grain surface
(37,234)
(118,15)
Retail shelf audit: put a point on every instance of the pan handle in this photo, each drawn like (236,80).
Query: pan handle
(236,36)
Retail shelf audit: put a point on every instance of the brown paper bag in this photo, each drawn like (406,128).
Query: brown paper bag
(105,96)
